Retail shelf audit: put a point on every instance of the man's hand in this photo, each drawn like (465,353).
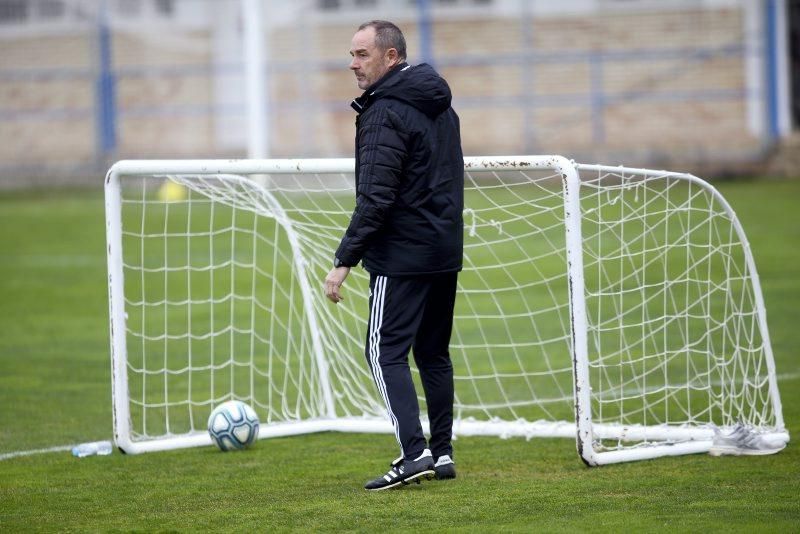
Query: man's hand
(334,281)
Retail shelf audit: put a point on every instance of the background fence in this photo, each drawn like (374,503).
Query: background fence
(641,82)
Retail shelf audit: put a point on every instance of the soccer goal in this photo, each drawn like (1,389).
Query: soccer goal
(619,307)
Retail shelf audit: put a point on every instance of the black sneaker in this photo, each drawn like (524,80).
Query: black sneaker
(444,467)
(404,471)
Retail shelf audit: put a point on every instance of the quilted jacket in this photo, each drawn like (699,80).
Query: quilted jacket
(409,177)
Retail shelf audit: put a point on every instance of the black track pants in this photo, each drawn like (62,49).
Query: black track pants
(406,312)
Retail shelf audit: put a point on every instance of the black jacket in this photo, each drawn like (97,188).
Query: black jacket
(409,177)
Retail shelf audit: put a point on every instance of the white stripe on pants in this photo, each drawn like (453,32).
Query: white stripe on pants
(376,321)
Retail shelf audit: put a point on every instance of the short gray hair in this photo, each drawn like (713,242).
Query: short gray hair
(387,35)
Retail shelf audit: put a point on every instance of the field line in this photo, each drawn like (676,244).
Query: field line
(59,448)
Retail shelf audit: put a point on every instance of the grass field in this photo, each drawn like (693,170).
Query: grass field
(55,391)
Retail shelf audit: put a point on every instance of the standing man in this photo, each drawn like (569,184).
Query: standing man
(407,229)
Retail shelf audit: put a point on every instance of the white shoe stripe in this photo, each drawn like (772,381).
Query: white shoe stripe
(444,460)
(425,453)
(386,477)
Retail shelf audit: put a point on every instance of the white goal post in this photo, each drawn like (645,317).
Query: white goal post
(617,306)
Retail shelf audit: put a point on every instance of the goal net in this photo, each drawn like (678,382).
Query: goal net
(619,307)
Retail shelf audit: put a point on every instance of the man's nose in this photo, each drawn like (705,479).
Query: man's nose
(353,64)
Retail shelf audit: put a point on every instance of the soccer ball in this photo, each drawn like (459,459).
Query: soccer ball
(233,425)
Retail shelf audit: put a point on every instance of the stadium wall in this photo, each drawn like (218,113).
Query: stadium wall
(644,84)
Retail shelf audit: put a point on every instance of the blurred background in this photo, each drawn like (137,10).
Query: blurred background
(708,86)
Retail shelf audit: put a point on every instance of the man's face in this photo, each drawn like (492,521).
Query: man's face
(369,63)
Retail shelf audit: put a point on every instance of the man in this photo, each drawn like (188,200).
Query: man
(407,229)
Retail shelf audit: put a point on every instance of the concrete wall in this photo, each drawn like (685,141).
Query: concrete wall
(636,88)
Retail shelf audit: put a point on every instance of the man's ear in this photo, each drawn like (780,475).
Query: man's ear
(392,56)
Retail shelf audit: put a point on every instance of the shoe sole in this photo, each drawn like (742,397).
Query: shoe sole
(735,451)
(429,474)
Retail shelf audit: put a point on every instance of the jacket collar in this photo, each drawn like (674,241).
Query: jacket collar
(366,99)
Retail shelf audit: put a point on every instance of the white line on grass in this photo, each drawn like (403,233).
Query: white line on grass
(17,454)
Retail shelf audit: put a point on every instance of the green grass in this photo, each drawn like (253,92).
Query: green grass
(312,483)
(55,390)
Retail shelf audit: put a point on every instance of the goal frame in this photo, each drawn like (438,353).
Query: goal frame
(698,439)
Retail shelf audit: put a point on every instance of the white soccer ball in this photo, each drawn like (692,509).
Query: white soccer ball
(233,425)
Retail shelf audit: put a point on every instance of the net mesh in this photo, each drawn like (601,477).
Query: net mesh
(674,334)
(223,295)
